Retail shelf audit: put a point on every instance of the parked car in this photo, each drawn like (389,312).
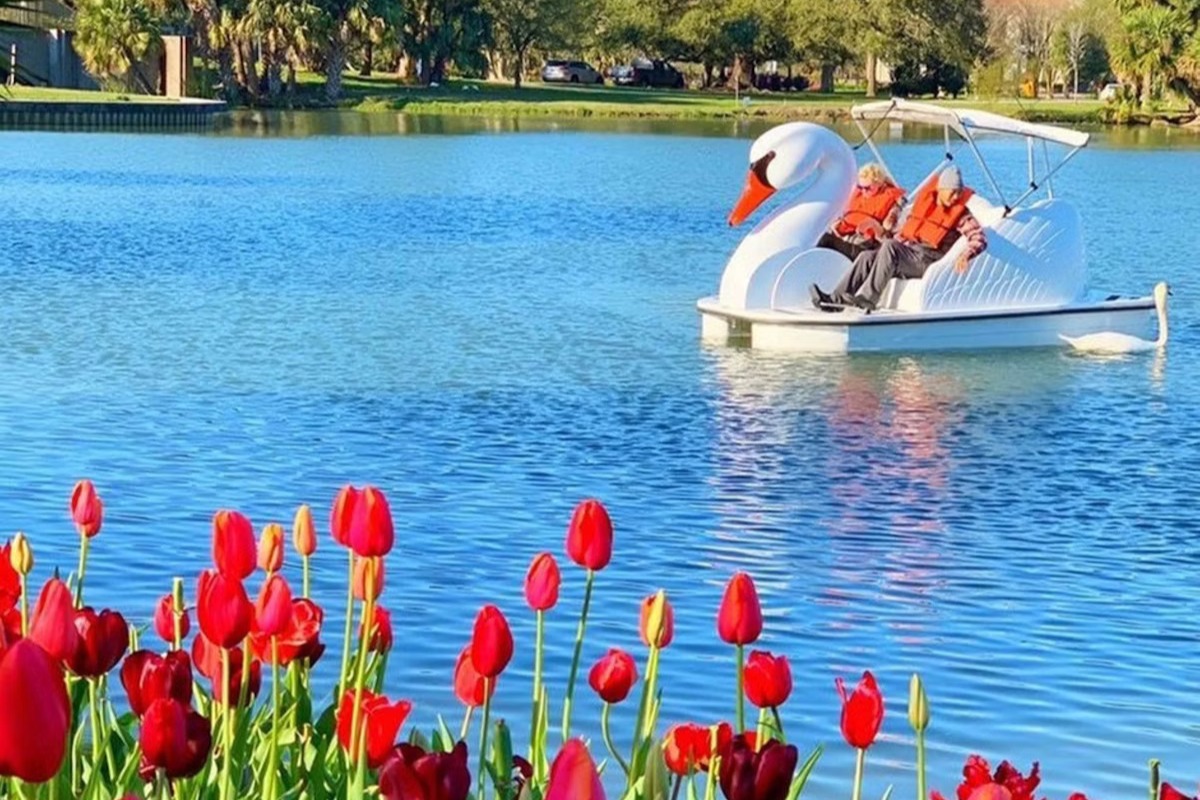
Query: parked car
(1110,92)
(647,72)
(570,72)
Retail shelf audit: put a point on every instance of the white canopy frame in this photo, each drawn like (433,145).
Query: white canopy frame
(963,122)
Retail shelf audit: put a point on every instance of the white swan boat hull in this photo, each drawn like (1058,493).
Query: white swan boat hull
(807,330)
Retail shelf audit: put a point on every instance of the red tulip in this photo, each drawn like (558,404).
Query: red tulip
(300,638)
(270,548)
(341,516)
(381,631)
(1168,792)
(233,549)
(86,509)
(766,774)
(573,775)
(768,679)
(10,625)
(223,608)
(148,677)
(378,575)
(273,609)
(491,642)
(53,623)
(862,712)
(409,773)
(103,639)
(613,676)
(37,713)
(1007,783)
(10,580)
(468,683)
(668,622)
(164,620)
(304,536)
(689,746)
(380,719)
(207,657)
(371,532)
(740,619)
(174,738)
(542,582)
(590,536)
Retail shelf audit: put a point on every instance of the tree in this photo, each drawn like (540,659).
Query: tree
(114,36)
(520,25)
(1151,41)
(821,35)
(933,34)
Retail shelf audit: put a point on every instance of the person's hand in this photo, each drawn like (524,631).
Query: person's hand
(961,263)
(869,228)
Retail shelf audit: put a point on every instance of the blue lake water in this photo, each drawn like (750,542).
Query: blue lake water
(492,324)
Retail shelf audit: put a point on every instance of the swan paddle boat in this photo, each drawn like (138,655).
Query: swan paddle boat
(1028,289)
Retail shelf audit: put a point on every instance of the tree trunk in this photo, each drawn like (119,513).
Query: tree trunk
(335,64)
(368,59)
(1147,82)
(872,84)
(408,68)
(291,82)
(519,67)
(735,76)
(138,78)
(228,81)
(709,68)
(826,86)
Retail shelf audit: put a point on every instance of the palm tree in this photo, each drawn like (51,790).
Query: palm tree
(1151,41)
(114,36)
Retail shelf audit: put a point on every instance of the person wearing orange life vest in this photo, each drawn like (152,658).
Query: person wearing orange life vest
(938,219)
(870,215)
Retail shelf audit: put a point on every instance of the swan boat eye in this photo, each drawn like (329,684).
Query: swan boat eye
(759,168)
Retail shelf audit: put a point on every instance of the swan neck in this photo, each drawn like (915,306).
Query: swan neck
(1162,324)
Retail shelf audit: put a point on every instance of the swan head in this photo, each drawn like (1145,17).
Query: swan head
(1161,292)
(784,156)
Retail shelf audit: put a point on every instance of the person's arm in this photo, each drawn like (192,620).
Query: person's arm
(893,216)
(970,229)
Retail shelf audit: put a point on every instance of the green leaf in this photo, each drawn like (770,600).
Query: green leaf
(416,737)
(658,780)
(805,770)
(448,738)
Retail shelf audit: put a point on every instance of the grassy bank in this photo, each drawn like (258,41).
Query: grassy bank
(480,98)
(384,93)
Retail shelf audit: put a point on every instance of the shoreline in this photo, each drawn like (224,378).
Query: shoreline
(384,94)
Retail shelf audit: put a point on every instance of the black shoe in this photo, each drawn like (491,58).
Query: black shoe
(866,305)
(819,298)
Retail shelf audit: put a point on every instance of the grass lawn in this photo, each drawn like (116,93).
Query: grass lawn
(381,93)
(48,95)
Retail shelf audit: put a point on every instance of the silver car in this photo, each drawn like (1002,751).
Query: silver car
(570,72)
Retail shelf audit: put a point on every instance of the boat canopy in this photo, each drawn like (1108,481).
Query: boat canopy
(965,121)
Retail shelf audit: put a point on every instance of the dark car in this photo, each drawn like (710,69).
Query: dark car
(647,72)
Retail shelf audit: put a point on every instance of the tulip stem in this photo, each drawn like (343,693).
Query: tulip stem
(24,606)
(779,726)
(94,714)
(226,785)
(608,738)
(305,579)
(343,676)
(579,632)
(83,552)
(273,761)
(741,698)
(645,727)
(364,640)
(921,765)
(177,611)
(859,762)
(678,786)
(483,734)
(1154,778)
(761,730)
(466,724)
(539,644)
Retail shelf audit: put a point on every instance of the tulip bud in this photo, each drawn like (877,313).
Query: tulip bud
(304,536)
(658,620)
(86,509)
(21,556)
(273,610)
(918,704)
(377,576)
(740,619)
(542,582)
(590,535)
(270,548)
(491,642)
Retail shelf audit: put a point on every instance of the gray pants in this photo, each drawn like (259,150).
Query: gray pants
(871,270)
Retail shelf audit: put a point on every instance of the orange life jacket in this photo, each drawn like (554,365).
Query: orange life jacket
(866,206)
(930,222)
